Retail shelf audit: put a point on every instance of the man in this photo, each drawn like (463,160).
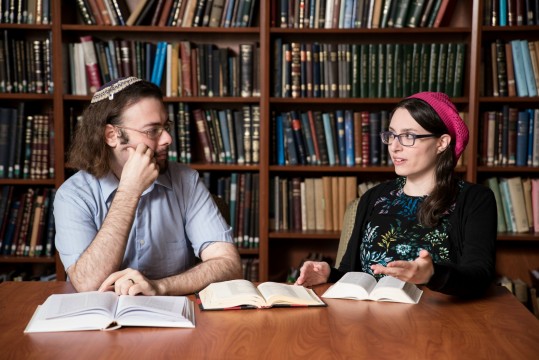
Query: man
(129,221)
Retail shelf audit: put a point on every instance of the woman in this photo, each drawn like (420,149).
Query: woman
(427,226)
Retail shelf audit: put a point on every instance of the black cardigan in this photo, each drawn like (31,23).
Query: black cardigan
(472,234)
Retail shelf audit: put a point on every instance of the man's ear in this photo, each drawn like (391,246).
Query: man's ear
(443,142)
(111,136)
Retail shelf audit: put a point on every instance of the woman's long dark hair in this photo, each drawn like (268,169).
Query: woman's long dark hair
(446,189)
(89,151)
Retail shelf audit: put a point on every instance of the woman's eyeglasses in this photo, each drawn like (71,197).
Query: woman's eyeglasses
(406,139)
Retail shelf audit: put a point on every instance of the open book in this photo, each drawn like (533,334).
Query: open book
(106,311)
(243,294)
(363,286)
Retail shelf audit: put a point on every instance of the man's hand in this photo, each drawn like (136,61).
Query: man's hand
(139,171)
(129,282)
(418,271)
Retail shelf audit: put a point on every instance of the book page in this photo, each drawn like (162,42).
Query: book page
(392,289)
(279,294)
(230,294)
(353,285)
(165,307)
(63,305)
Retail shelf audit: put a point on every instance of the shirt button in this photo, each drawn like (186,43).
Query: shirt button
(141,242)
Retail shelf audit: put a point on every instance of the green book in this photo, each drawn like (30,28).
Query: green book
(380,89)
(459,69)
(414,13)
(364,71)
(408,69)
(389,70)
(450,68)
(424,65)
(433,67)
(373,70)
(356,66)
(442,66)
(398,71)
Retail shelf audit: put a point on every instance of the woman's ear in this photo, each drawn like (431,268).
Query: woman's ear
(111,136)
(443,142)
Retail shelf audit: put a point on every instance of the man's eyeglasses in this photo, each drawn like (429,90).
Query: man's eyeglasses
(406,139)
(154,132)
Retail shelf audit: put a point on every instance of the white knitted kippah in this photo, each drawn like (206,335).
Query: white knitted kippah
(108,90)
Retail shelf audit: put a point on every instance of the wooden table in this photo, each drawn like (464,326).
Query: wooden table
(439,327)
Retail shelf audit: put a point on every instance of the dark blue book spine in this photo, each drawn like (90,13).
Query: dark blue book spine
(349,137)
(374,121)
(522,138)
(308,135)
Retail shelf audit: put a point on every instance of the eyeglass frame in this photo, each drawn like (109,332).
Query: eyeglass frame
(398,136)
(166,127)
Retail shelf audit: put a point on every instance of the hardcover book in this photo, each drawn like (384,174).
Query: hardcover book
(108,311)
(243,294)
(363,286)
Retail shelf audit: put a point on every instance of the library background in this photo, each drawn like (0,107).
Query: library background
(278,105)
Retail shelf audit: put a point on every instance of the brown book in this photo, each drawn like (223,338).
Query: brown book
(216,13)
(350,189)
(532,47)
(125,57)
(25,223)
(444,13)
(296,204)
(102,8)
(328,203)
(166,13)
(96,12)
(185,55)
(34,228)
(320,216)
(18,222)
(511,86)
(512,136)
(518,204)
(342,199)
(527,192)
(189,13)
(335,202)
(310,203)
(203,136)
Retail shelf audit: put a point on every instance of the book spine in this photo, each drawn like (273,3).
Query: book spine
(90,63)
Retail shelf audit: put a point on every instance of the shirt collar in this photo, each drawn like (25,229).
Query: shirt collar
(110,183)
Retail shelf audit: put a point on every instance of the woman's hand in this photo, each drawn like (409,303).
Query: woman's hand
(313,273)
(418,271)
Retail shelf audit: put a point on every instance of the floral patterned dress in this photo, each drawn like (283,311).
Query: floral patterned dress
(394,233)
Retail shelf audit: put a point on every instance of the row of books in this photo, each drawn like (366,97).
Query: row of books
(26,144)
(367,70)
(510,12)
(307,204)
(23,275)
(517,201)
(229,136)
(527,295)
(249,266)
(27,221)
(180,68)
(370,14)
(241,192)
(181,13)
(512,68)
(25,65)
(510,137)
(25,12)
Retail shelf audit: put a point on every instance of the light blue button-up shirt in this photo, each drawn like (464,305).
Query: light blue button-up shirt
(175,218)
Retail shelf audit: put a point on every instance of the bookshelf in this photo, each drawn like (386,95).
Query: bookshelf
(282,249)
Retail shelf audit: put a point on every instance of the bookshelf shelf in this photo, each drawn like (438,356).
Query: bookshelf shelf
(27,260)
(465,27)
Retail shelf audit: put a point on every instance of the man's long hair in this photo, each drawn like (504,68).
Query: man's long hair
(88,150)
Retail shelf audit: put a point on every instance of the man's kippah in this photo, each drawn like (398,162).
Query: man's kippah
(113,87)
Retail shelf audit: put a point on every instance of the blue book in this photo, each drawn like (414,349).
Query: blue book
(159,61)
(316,70)
(229,13)
(290,145)
(518,64)
(349,137)
(341,142)
(329,138)
(528,69)
(531,143)
(522,138)
(375,145)
(510,221)
(223,125)
(348,13)
(503,12)
(297,131)
(307,133)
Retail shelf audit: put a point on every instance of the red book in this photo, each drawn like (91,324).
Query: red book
(444,13)
(203,136)
(365,137)
(90,63)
